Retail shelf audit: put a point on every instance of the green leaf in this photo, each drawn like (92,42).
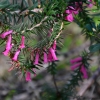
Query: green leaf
(95,47)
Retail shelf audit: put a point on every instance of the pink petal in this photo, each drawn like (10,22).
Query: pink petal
(8,43)
(15,58)
(76,12)
(45,58)
(84,72)
(6,52)
(36,59)
(75,66)
(69,18)
(71,8)
(52,51)
(28,76)
(3,35)
(68,11)
(50,58)
(76,60)
(22,45)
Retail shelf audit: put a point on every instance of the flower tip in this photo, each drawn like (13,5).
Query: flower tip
(78,59)
(28,76)
(69,18)
(28,80)
(15,58)
(6,52)
(3,35)
(84,72)
(22,46)
(36,59)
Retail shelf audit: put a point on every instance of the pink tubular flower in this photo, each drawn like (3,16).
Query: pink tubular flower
(3,35)
(22,45)
(78,63)
(68,11)
(72,11)
(28,76)
(69,18)
(36,59)
(6,52)
(45,57)
(8,45)
(52,51)
(84,71)
(15,58)
(50,58)
(76,60)
(73,67)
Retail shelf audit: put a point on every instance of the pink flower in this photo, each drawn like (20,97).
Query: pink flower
(36,59)
(15,58)
(69,18)
(84,71)
(45,57)
(3,35)
(50,58)
(78,63)
(68,11)
(52,51)
(76,60)
(6,52)
(8,45)
(51,54)
(22,45)
(73,67)
(73,10)
(28,76)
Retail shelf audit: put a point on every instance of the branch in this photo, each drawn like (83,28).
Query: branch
(26,11)
(62,24)
(37,25)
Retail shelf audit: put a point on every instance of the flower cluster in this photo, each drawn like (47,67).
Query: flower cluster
(9,44)
(77,63)
(48,56)
(73,10)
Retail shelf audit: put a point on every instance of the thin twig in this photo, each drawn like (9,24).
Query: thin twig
(55,84)
(37,25)
(62,25)
(26,11)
